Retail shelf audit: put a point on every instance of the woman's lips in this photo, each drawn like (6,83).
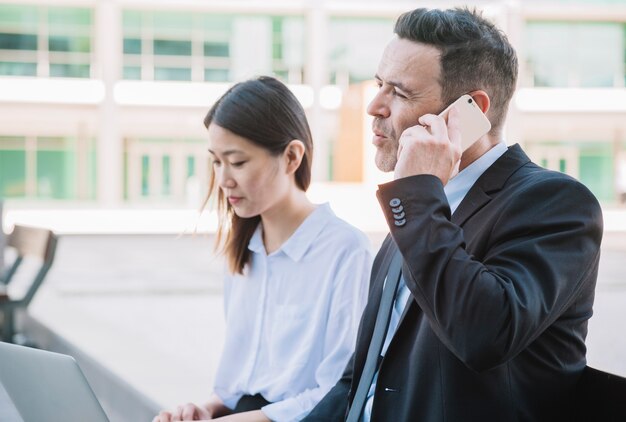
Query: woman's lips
(234,200)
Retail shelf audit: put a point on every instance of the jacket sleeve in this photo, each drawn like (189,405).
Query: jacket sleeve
(542,250)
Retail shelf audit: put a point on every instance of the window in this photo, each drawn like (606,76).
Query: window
(12,167)
(186,46)
(18,41)
(161,168)
(288,47)
(578,54)
(47,167)
(157,45)
(66,35)
(355,46)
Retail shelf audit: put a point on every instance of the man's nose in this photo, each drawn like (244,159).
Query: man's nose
(378,106)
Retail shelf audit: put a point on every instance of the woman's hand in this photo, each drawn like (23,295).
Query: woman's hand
(187,412)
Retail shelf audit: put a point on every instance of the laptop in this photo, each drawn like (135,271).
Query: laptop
(37,385)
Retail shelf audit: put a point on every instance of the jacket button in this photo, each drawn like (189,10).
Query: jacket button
(400,223)
(399,209)
(394,202)
(399,216)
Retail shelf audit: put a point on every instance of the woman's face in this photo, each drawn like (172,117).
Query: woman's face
(252,180)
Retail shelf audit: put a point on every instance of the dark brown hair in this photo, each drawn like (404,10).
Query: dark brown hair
(475,54)
(266,113)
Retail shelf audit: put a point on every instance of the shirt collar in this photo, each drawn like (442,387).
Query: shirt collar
(458,186)
(296,246)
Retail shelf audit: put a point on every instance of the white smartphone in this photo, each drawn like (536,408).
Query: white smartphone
(474,123)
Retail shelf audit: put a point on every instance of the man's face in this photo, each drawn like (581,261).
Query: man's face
(408,81)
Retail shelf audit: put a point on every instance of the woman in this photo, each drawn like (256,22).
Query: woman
(298,274)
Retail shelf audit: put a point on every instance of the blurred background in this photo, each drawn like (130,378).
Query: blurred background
(101,140)
(101,102)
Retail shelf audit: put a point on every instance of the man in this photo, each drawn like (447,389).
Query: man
(499,263)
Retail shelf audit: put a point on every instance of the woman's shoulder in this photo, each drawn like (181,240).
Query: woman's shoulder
(338,230)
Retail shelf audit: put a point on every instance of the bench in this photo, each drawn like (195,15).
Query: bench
(28,244)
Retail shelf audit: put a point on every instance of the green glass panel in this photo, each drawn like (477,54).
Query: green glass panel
(354,46)
(191,166)
(562,166)
(56,177)
(12,173)
(216,49)
(564,54)
(132,72)
(166,175)
(213,23)
(145,175)
(596,172)
(172,74)
(131,21)
(282,75)
(24,17)
(18,41)
(65,70)
(18,69)
(277,46)
(132,46)
(72,44)
(216,75)
(172,20)
(64,16)
(172,48)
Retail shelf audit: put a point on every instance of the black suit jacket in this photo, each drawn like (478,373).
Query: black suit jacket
(501,294)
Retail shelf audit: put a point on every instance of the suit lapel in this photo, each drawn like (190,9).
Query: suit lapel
(491,181)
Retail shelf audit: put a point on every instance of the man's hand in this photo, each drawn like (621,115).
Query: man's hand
(432,147)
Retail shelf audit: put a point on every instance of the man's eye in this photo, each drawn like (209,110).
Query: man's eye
(398,94)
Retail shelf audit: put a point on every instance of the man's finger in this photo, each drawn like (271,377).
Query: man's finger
(454,127)
(436,124)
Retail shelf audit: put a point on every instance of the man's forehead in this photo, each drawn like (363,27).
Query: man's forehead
(406,60)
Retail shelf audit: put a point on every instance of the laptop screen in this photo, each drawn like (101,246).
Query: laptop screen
(37,385)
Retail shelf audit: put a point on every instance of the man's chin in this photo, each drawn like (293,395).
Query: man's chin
(384,163)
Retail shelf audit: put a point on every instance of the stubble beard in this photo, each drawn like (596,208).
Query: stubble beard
(386,157)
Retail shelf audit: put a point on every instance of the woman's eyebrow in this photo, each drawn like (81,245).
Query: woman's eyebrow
(227,152)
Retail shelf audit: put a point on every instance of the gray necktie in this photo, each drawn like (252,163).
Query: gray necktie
(380,331)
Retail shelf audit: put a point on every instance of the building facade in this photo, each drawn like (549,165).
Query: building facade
(101,102)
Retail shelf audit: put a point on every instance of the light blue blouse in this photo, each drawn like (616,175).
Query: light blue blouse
(292,318)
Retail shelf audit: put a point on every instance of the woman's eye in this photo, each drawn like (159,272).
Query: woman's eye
(216,163)
(238,164)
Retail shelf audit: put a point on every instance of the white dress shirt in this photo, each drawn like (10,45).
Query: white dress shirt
(292,318)
(455,191)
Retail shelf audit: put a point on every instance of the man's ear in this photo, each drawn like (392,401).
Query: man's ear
(481,98)
(293,155)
